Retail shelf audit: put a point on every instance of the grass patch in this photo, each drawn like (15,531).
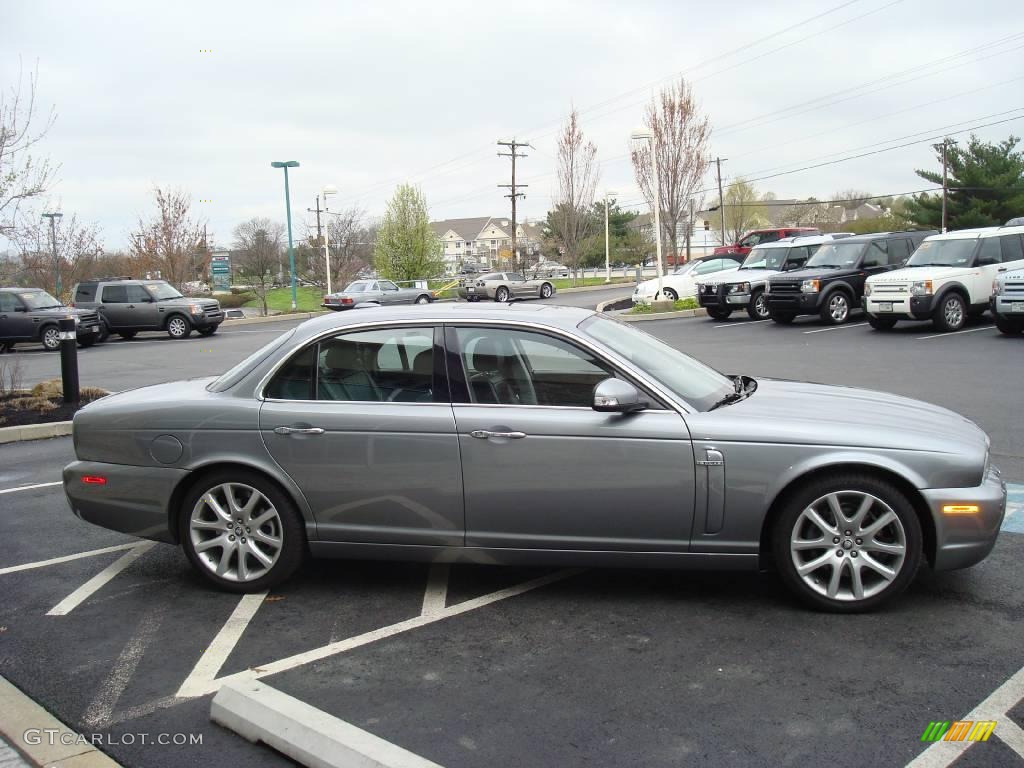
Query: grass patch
(308,299)
(566,282)
(678,306)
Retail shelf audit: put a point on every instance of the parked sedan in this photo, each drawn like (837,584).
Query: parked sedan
(502,286)
(549,269)
(682,282)
(375,292)
(533,434)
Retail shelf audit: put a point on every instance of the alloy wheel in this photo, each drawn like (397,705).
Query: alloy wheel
(501,295)
(848,545)
(761,306)
(838,308)
(51,339)
(953,311)
(236,532)
(545,291)
(177,327)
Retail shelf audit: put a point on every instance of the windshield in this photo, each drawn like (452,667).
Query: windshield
(39,300)
(357,287)
(765,258)
(688,267)
(836,255)
(944,253)
(235,374)
(694,382)
(162,291)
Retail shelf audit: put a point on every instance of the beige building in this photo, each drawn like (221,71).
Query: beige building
(485,239)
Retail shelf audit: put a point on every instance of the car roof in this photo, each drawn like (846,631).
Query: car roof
(965,234)
(16,289)
(789,242)
(1009,229)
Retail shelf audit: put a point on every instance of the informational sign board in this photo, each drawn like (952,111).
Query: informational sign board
(220,270)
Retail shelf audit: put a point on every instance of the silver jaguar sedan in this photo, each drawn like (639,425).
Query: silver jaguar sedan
(533,435)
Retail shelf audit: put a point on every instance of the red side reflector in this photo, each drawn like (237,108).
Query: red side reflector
(94,480)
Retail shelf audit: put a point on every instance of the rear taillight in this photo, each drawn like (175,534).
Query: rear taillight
(94,480)
(346,301)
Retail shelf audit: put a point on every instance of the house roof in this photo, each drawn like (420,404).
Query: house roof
(467,229)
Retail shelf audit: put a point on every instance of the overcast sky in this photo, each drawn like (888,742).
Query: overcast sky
(368,94)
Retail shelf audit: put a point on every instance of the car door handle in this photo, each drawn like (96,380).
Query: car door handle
(298,430)
(483,434)
(1001,269)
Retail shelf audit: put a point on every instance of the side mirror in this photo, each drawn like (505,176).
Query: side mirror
(617,396)
(903,262)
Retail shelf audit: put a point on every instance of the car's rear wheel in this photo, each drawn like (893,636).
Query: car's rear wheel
(836,310)
(51,338)
(847,543)
(670,294)
(501,295)
(1008,326)
(178,327)
(950,314)
(241,532)
(882,323)
(546,291)
(757,309)
(715,313)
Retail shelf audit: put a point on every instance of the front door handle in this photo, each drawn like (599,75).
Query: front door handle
(483,434)
(1002,269)
(298,430)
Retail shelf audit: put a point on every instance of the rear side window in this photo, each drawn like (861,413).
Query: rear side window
(8,302)
(114,294)
(295,380)
(898,250)
(990,251)
(137,293)
(85,292)
(877,254)
(797,256)
(1013,249)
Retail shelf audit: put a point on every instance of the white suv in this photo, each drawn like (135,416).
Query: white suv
(948,278)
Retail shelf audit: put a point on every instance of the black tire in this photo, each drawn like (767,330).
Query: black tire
(717,313)
(835,308)
(104,333)
(208,330)
(126,335)
(1008,326)
(49,336)
(423,299)
(547,290)
(950,313)
(670,294)
(501,295)
(783,318)
(178,327)
(757,309)
(838,541)
(86,343)
(292,530)
(882,323)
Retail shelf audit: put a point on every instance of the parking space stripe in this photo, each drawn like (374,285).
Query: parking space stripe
(225,641)
(435,596)
(93,585)
(741,324)
(31,487)
(836,328)
(332,649)
(66,558)
(953,333)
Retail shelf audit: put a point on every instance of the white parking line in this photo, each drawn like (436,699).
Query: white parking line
(1003,699)
(954,333)
(836,328)
(66,558)
(31,487)
(93,585)
(225,641)
(435,596)
(742,323)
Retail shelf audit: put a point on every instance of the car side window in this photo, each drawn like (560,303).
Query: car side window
(750,241)
(877,254)
(796,257)
(136,294)
(512,367)
(899,250)
(770,237)
(8,302)
(394,365)
(387,285)
(85,292)
(990,252)
(1012,248)
(707,267)
(515,278)
(114,294)
(294,381)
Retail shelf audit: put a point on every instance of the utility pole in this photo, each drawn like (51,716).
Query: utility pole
(53,248)
(513,194)
(945,186)
(721,198)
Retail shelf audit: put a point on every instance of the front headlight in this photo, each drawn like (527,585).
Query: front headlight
(867,289)
(195,309)
(810,286)
(921,288)
(739,288)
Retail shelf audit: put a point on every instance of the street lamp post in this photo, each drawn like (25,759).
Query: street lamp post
(645,135)
(607,256)
(288,208)
(329,189)
(53,248)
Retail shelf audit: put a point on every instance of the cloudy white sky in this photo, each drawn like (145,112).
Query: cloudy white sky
(368,94)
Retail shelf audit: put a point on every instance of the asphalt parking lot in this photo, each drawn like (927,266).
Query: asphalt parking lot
(479,666)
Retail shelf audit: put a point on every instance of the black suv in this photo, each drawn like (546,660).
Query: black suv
(128,306)
(31,314)
(831,283)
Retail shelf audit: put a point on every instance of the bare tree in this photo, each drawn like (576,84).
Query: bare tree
(258,244)
(171,240)
(571,220)
(851,199)
(22,176)
(78,248)
(681,135)
(350,241)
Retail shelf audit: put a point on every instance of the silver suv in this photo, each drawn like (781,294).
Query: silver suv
(1007,302)
(128,306)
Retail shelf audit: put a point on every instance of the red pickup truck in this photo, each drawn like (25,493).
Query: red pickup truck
(759,236)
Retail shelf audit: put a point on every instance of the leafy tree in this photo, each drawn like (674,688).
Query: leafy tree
(985,183)
(406,247)
(744,210)
(171,240)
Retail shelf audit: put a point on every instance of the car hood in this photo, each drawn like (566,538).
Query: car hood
(63,312)
(816,273)
(819,414)
(740,276)
(910,274)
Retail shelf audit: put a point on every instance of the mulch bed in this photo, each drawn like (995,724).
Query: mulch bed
(16,416)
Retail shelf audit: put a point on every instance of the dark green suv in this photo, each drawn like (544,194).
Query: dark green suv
(128,306)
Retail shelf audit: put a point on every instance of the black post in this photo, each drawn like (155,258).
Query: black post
(69,359)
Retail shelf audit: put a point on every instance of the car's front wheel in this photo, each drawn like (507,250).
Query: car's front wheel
(208,330)
(241,532)
(847,543)
(757,309)
(716,313)
(51,338)
(127,335)
(836,309)
(1008,326)
(784,318)
(669,294)
(178,327)
(951,314)
(882,323)
(424,299)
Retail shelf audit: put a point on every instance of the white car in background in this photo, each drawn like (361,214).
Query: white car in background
(682,283)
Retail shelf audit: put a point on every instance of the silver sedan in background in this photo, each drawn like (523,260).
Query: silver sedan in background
(533,435)
(375,292)
(503,286)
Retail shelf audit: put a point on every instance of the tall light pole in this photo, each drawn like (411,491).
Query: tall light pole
(53,247)
(329,189)
(607,257)
(288,208)
(642,134)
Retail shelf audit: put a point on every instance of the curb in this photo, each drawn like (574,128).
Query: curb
(304,733)
(601,287)
(664,315)
(34,432)
(21,716)
(283,317)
